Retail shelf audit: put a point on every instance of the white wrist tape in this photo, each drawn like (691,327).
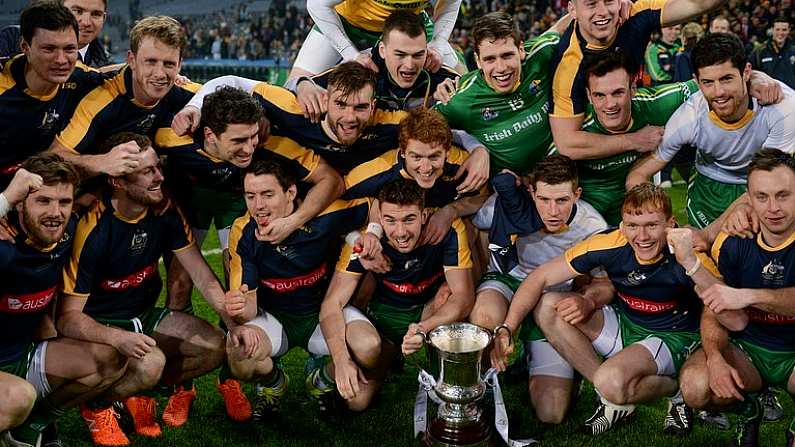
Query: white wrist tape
(5,207)
(375,229)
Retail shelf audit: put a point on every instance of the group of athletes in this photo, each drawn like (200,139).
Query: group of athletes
(368,202)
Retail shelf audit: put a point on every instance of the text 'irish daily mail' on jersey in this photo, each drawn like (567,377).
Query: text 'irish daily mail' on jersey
(513,126)
(287,120)
(111,108)
(656,295)
(366,180)
(752,264)
(292,276)
(28,122)
(30,278)
(414,277)
(574,54)
(114,259)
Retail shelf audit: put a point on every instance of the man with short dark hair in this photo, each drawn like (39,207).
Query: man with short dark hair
(735,363)
(61,372)
(725,124)
(40,89)
(403,303)
(544,222)
(660,55)
(278,288)
(776,56)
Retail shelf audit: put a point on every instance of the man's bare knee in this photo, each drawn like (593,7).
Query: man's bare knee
(17,403)
(544,312)
(612,384)
(364,343)
(694,383)
(111,365)
(149,369)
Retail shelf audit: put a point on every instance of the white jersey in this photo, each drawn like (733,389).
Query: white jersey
(541,246)
(723,150)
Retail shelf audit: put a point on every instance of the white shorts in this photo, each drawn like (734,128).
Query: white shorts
(316,54)
(317,343)
(545,361)
(37,374)
(497,286)
(610,342)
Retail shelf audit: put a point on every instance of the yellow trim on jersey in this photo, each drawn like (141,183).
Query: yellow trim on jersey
(370,15)
(279,97)
(209,156)
(464,254)
(761,241)
(368,170)
(88,108)
(7,80)
(564,76)
(235,261)
(749,115)
(165,138)
(130,220)
(456,155)
(388,116)
(84,228)
(185,227)
(340,204)
(346,256)
(609,241)
(709,264)
(288,148)
(717,245)
(45,97)
(645,5)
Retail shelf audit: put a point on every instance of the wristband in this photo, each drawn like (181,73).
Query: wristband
(5,206)
(692,270)
(375,229)
(302,79)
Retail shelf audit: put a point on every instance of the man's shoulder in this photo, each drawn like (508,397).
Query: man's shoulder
(276,98)
(587,219)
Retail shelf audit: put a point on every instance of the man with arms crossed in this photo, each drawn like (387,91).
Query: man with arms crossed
(725,124)
(735,363)
(646,334)
(403,302)
(60,372)
(554,219)
(111,285)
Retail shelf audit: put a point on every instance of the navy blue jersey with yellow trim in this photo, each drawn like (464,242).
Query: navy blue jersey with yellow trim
(287,120)
(111,108)
(390,96)
(292,276)
(656,295)
(414,277)
(190,165)
(574,53)
(114,260)
(30,276)
(29,123)
(752,264)
(367,179)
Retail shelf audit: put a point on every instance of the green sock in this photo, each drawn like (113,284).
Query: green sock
(44,413)
(326,381)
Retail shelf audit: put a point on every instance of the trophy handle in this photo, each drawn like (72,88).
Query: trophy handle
(423,334)
(503,327)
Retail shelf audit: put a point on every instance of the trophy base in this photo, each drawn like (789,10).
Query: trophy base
(442,434)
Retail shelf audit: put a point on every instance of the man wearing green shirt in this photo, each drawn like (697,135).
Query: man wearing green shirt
(660,55)
(616,107)
(505,104)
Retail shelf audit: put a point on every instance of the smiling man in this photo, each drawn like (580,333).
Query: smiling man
(597,31)
(726,126)
(646,333)
(777,56)
(402,82)
(141,98)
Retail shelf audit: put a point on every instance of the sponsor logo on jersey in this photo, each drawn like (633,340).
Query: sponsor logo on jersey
(146,124)
(636,278)
(133,280)
(26,303)
(760,316)
(49,120)
(284,285)
(488,114)
(773,274)
(646,306)
(413,289)
(139,240)
(533,88)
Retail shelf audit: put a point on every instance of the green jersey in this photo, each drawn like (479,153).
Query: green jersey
(660,61)
(513,126)
(603,179)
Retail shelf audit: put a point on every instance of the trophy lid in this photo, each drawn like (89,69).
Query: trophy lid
(459,338)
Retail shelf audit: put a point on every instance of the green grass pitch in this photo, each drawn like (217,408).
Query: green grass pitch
(389,421)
